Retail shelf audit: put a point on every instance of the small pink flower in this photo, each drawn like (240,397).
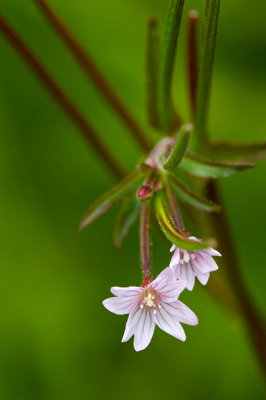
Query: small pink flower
(186,265)
(156,303)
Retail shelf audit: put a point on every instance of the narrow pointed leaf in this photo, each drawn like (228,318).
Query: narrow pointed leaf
(169,118)
(207,168)
(126,217)
(111,197)
(238,151)
(179,149)
(192,198)
(152,71)
(170,230)
(207,49)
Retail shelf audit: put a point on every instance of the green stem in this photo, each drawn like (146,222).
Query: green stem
(180,148)
(192,59)
(209,31)
(152,73)
(169,119)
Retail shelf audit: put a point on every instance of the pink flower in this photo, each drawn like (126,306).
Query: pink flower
(156,303)
(186,265)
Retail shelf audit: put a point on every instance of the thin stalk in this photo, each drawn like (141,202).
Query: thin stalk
(169,118)
(145,240)
(152,72)
(192,59)
(209,31)
(93,72)
(71,110)
(254,323)
(174,207)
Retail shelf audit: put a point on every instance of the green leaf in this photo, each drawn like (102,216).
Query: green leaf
(125,219)
(168,117)
(108,199)
(238,151)
(179,149)
(207,49)
(207,168)
(192,198)
(152,71)
(168,228)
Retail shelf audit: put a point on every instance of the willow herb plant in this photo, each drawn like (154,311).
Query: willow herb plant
(181,169)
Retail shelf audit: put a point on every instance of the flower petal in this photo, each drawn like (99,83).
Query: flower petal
(129,291)
(168,322)
(162,280)
(176,269)
(190,276)
(209,261)
(173,247)
(182,312)
(131,324)
(203,278)
(212,252)
(172,291)
(175,258)
(119,305)
(144,330)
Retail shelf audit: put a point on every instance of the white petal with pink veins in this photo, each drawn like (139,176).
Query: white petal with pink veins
(209,261)
(144,330)
(129,291)
(175,258)
(203,278)
(190,275)
(169,323)
(118,305)
(172,291)
(131,324)
(182,313)
(212,252)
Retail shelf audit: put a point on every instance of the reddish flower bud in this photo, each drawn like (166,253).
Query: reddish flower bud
(144,192)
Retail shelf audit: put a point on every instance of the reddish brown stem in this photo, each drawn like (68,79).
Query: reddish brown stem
(254,322)
(95,74)
(145,240)
(174,207)
(192,67)
(77,118)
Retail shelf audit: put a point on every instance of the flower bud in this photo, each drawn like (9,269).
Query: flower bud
(144,192)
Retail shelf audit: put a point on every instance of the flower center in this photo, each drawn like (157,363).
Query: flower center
(187,256)
(150,299)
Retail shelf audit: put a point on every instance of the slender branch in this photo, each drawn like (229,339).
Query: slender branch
(209,32)
(254,322)
(152,72)
(95,74)
(192,59)
(169,117)
(174,207)
(145,240)
(74,114)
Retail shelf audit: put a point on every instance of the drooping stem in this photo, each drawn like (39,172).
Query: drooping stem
(145,240)
(192,59)
(254,322)
(61,97)
(93,72)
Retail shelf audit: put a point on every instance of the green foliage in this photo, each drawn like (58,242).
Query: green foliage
(206,168)
(108,199)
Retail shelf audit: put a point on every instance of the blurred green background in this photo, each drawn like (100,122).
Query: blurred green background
(57,340)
